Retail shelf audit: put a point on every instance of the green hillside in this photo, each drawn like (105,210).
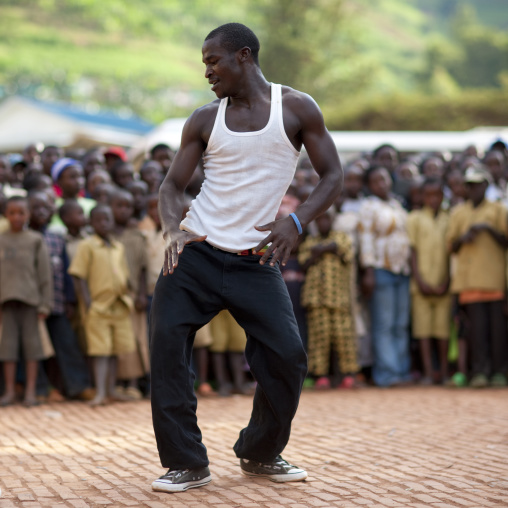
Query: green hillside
(144,55)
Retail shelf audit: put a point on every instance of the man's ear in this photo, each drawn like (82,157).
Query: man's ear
(244,54)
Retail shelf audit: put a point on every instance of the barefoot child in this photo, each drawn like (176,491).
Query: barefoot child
(101,273)
(26,294)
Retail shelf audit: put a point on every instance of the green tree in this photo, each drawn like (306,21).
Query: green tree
(309,45)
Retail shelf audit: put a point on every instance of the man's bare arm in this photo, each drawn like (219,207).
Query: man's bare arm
(171,194)
(325,160)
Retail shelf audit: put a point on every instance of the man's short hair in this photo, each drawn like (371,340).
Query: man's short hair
(235,36)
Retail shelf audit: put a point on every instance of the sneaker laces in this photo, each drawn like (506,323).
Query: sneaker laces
(280,460)
(175,473)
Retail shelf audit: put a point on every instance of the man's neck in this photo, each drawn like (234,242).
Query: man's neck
(251,91)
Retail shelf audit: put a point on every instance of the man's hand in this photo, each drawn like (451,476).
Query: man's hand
(175,242)
(282,238)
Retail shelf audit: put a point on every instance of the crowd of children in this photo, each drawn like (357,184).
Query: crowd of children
(403,280)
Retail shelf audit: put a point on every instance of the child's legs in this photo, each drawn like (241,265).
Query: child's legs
(100,365)
(9,347)
(9,369)
(442,311)
(443,357)
(99,339)
(386,368)
(31,380)
(401,325)
(70,359)
(478,316)
(319,340)
(498,339)
(344,341)
(421,313)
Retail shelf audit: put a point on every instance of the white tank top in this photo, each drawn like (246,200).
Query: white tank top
(246,177)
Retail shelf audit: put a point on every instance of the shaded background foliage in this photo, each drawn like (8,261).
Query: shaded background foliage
(394,64)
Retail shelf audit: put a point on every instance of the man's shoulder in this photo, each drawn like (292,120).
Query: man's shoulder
(205,113)
(296,100)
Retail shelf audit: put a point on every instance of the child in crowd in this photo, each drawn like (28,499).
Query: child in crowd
(26,295)
(151,174)
(432,167)
(73,217)
(162,154)
(139,192)
(103,192)
(477,234)
(93,160)
(384,258)
(68,175)
(494,161)
(68,371)
(328,260)
(347,219)
(430,301)
(122,174)
(95,178)
(457,188)
(6,177)
(135,365)
(101,275)
(49,156)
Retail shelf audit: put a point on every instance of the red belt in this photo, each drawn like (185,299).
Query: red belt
(251,252)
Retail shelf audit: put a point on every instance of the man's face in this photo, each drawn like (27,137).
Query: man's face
(221,67)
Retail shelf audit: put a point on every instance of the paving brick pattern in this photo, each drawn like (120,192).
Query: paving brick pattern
(414,447)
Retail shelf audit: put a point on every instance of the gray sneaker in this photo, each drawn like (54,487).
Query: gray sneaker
(178,480)
(278,470)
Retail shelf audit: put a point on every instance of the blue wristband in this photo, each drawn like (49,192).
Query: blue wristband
(297,222)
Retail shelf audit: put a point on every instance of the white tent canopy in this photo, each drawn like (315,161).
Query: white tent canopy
(24,121)
(170,132)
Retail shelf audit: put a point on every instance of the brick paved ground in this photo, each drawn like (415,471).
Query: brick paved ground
(412,447)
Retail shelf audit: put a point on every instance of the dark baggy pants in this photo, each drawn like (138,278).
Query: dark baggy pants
(206,281)
(70,359)
(488,340)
